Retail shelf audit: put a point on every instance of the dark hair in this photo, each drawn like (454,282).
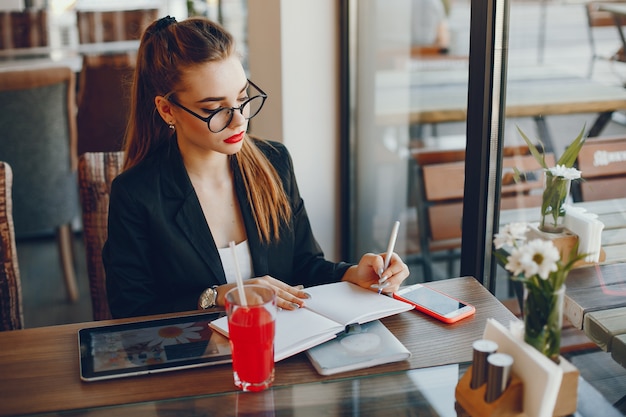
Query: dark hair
(167,49)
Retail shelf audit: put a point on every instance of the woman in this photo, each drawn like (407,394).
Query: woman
(193,182)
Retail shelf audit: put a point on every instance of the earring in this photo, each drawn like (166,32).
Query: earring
(171,126)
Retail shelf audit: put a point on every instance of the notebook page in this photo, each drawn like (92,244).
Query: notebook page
(348,303)
(296,331)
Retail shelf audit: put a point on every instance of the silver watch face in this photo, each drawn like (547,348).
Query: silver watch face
(208,298)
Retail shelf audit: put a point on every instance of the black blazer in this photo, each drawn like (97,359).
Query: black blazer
(160,254)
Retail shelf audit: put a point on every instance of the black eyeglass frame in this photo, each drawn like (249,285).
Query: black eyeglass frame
(207,119)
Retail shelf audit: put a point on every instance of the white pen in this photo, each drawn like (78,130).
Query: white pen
(390,246)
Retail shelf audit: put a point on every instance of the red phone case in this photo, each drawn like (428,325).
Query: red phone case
(449,320)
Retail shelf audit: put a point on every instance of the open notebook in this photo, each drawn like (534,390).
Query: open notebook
(329,310)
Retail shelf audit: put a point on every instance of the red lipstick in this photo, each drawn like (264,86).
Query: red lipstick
(235,138)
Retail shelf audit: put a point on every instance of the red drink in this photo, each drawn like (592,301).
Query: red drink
(251,334)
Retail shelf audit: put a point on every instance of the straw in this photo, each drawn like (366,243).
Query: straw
(242,293)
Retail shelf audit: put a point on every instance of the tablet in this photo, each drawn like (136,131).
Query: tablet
(151,346)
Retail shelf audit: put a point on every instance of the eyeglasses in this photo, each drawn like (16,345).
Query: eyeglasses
(219,119)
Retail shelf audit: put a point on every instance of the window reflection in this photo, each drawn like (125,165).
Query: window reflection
(410,108)
(561,64)
(411,101)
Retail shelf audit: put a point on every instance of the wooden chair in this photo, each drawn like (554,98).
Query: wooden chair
(599,18)
(440,188)
(38,125)
(11,316)
(603,165)
(96,171)
(95,26)
(23,29)
(104,101)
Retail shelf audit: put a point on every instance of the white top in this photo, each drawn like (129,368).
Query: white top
(244,260)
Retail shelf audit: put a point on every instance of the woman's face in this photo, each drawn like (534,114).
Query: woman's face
(205,88)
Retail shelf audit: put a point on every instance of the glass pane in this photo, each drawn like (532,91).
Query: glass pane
(556,89)
(409,106)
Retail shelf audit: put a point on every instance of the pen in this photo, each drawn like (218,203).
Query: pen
(390,246)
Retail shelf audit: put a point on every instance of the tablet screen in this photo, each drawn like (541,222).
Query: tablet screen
(151,346)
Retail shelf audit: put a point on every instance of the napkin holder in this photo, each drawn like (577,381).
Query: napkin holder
(564,241)
(567,399)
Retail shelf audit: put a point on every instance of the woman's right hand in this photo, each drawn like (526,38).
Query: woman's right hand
(287,297)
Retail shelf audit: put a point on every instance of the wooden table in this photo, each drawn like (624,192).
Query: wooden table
(40,370)
(414,392)
(431,97)
(595,302)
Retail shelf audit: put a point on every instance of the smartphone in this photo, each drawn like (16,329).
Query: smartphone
(435,303)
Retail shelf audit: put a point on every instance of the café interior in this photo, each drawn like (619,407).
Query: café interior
(382,127)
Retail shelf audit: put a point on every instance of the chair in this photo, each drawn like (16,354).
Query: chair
(439,198)
(11,316)
(104,101)
(38,126)
(603,165)
(95,26)
(600,18)
(23,29)
(96,171)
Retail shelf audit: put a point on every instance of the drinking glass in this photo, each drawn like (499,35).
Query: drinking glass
(251,327)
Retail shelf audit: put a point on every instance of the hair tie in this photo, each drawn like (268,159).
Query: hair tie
(164,22)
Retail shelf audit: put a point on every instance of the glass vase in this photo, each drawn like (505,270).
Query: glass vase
(543,320)
(555,193)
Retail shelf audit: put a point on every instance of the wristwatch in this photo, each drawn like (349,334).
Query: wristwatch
(208,298)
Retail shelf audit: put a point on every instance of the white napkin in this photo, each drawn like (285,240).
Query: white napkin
(589,230)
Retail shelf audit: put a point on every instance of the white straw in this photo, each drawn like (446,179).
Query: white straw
(242,293)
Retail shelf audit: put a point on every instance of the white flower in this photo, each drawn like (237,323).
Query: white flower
(565,172)
(518,230)
(537,257)
(517,261)
(170,335)
(510,235)
(544,257)
(537,264)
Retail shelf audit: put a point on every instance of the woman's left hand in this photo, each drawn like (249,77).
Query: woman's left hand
(371,269)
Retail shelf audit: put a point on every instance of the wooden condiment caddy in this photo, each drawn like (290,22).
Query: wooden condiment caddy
(472,401)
